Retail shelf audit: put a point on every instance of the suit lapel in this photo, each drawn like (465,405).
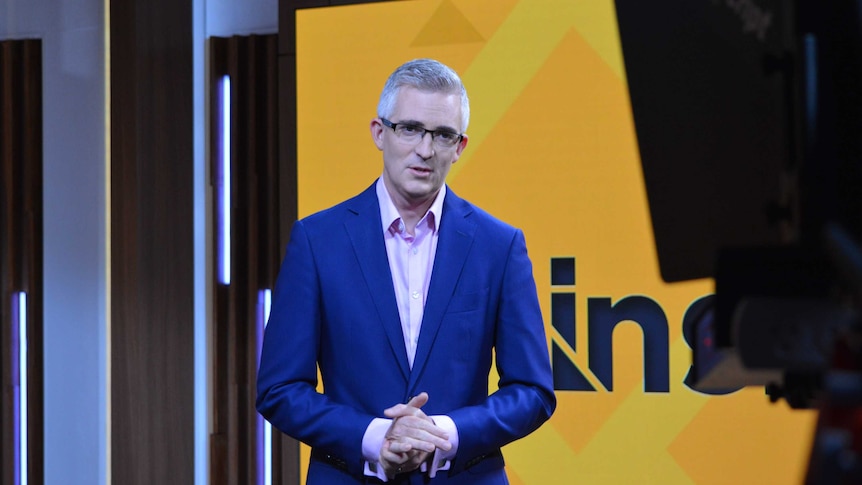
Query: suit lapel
(364,228)
(453,245)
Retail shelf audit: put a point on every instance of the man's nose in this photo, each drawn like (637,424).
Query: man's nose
(425,147)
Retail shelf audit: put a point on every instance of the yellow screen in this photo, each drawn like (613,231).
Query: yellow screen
(552,150)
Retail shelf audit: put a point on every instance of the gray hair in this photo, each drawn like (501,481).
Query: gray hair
(425,75)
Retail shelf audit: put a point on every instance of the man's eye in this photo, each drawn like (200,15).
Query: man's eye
(409,129)
(447,136)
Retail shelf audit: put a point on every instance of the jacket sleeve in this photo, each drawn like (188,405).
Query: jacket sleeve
(287,378)
(525,397)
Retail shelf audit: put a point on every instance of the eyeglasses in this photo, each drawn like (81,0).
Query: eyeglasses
(411,133)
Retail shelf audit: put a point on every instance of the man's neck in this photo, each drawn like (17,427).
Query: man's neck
(412,213)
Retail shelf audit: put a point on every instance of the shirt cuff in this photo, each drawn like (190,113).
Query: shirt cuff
(372,441)
(442,460)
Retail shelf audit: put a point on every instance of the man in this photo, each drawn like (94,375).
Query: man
(400,295)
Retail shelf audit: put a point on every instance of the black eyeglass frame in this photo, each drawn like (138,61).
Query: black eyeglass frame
(434,133)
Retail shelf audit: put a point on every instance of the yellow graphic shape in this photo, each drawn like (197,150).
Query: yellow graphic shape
(486,16)
(745,440)
(447,26)
(520,46)
(632,444)
(508,62)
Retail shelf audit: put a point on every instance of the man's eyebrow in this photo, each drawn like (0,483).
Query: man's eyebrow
(422,125)
(412,123)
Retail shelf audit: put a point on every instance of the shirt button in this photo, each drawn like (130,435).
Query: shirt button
(415,295)
(414,250)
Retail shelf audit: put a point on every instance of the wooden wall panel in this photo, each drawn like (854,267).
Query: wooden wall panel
(250,64)
(152,313)
(21,248)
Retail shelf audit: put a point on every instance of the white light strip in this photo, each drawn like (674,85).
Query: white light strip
(22,393)
(267,428)
(267,450)
(225,208)
(267,306)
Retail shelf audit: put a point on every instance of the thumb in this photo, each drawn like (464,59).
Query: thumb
(419,400)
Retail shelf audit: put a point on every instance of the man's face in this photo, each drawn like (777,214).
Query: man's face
(413,172)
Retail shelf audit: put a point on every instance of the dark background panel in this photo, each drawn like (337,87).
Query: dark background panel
(151,266)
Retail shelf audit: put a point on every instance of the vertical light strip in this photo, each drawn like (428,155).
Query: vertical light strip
(225,186)
(21,377)
(267,428)
(203,241)
(264,433)
(105,472)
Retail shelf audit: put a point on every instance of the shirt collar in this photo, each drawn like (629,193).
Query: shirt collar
(389,214)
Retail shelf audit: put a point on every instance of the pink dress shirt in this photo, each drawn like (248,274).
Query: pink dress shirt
(411,259)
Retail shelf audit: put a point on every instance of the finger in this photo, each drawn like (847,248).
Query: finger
(403,410)
(417,428)
(393,453)
(420,440)
(412,406)
(396,463)
(418,400)
(430,442)
(415,460)
(401,463)
(400,446)
(410,444)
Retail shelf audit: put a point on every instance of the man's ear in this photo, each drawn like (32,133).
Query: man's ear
(377,132)
(460,148)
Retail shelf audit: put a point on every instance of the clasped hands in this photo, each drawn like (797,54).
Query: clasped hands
(412,438)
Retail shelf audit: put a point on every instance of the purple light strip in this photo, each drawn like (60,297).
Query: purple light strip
(19,383)
(264,429)
(224,182)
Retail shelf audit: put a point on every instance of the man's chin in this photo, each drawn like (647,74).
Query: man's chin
(422,193)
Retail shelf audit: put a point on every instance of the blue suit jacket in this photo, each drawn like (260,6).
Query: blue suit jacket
(334,307)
